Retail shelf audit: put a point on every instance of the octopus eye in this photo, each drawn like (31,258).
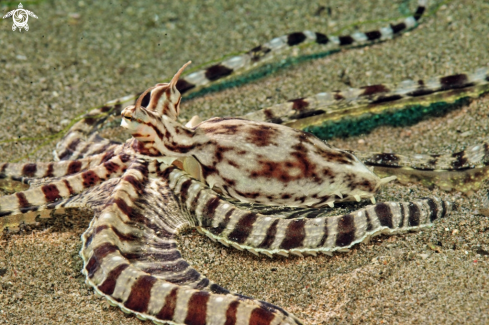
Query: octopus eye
(127,117)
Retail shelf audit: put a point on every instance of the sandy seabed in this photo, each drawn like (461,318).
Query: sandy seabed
(78,55)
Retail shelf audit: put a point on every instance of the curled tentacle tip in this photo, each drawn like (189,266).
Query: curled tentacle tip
(175,78)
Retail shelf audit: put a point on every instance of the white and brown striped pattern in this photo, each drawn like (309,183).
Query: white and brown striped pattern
(265,51)
(47,195)
(464,170)
(329,106)
(82,139)
(308,232)
(76,143)
(334,106)
(254,162)
(476,156)
(130,253)
(304,112)
(25,172)
(132,259)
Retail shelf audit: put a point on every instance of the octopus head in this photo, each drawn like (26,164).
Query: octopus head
(146,118)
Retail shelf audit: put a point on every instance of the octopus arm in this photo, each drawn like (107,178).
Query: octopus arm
(307,231)
(131,258)
(50,194)
(27,172)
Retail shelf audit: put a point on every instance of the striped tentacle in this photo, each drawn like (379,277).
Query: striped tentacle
(28,171)
(333,106)
(133,222)
(131,258)
(476,156)
(82,139)
(465,170)
(92,198)
(47,195)
(73,146)
(93,146)
(266,51)
(311,233)
(308,232)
